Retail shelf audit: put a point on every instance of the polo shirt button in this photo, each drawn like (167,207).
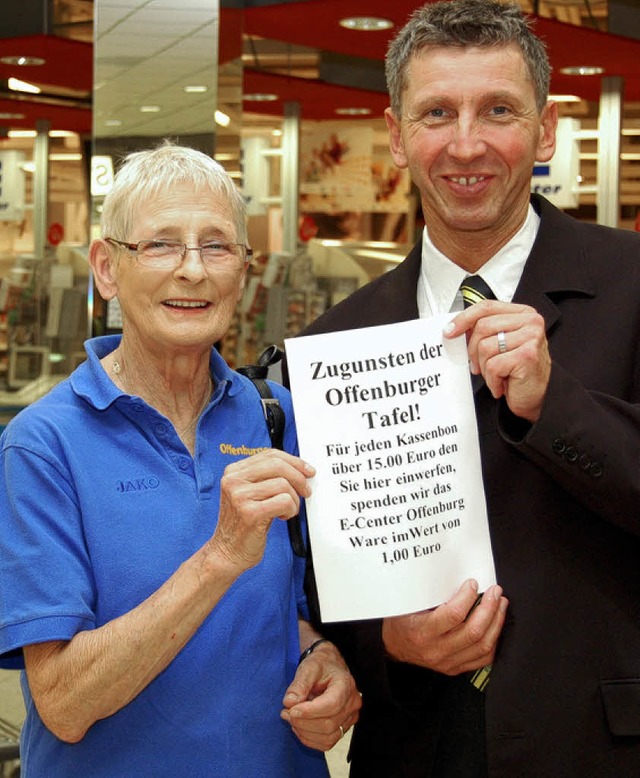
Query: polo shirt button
(138,407)
(571,454)
(161,429)
(558,446)
(595,471)
(184,464)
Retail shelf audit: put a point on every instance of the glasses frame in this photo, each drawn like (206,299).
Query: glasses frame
(133,248)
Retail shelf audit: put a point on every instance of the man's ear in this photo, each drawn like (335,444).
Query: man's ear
(103,265)
(548,127)
(395,139)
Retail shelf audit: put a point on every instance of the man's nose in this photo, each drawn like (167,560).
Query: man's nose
(466,142)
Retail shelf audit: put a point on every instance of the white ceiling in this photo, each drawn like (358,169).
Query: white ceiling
(146,52)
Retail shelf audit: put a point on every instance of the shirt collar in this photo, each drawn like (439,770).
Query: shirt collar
(440,278)
(91,381)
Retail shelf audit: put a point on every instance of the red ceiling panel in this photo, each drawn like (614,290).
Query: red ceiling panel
(316,24)
(318,100)
(70,63)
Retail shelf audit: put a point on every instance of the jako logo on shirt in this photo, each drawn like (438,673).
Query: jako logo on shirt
(137,485)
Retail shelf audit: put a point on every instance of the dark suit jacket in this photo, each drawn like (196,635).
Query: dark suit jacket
(564,510)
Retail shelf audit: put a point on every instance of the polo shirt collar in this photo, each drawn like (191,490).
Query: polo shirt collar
(91,382)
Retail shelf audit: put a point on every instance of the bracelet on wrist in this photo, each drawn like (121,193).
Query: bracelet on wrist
(311,649)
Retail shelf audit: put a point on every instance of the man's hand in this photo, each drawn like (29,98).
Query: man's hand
(322,702)
(455,637)
(521,373)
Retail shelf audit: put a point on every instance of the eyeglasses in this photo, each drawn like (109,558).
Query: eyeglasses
(165,254)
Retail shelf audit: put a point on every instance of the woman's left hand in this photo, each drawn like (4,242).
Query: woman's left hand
(322,702)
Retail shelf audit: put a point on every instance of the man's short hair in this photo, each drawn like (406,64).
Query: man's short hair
(464,23)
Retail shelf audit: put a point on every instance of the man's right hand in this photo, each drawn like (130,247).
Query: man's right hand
(453,638)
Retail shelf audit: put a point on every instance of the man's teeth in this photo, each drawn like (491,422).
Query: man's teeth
(467,181)
(186,303)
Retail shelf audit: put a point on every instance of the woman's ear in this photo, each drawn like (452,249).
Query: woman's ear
(102,267)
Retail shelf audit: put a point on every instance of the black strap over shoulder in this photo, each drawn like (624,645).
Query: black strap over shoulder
(273,412)
(275,419)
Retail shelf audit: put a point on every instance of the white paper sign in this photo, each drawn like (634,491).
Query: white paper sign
(397,518)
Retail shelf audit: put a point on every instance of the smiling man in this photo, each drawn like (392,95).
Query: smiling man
(556,357)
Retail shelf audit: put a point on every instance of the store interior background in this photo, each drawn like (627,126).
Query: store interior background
(290,102)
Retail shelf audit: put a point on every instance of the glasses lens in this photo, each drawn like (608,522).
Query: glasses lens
(222,254)
(160,253)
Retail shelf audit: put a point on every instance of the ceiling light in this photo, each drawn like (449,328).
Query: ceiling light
(196,88)
(22,134)
(276,133)
(366,23)
(353,111)
(29,167)
(582,70)
(149,109)
(70,156)
(62,134)
(565,98)
(11,116)
(22,86)
(260,97)
(222,119)
(113,123)
(22,61)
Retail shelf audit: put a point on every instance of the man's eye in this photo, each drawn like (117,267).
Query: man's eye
(500,110)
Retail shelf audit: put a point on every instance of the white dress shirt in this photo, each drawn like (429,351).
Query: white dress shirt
(440,279)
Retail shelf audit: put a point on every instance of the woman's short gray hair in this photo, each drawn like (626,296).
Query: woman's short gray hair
(465,23)
(143,174)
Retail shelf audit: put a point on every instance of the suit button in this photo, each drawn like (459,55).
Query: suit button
(571,454)
(558,446)
(595,471)
(584,462)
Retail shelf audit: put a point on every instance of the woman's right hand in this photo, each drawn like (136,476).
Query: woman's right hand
(254,491)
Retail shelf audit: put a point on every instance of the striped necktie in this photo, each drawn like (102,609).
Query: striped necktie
(474,289)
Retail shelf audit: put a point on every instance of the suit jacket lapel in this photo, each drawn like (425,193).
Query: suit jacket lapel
(556,267)
(397,298)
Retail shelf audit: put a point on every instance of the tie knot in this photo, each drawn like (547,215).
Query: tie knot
(474,289)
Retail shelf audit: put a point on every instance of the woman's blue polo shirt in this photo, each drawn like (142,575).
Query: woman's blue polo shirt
(100,502)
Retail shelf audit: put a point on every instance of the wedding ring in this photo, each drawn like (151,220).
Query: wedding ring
(341,731)
(502,342)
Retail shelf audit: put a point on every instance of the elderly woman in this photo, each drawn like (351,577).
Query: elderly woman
(147,581)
